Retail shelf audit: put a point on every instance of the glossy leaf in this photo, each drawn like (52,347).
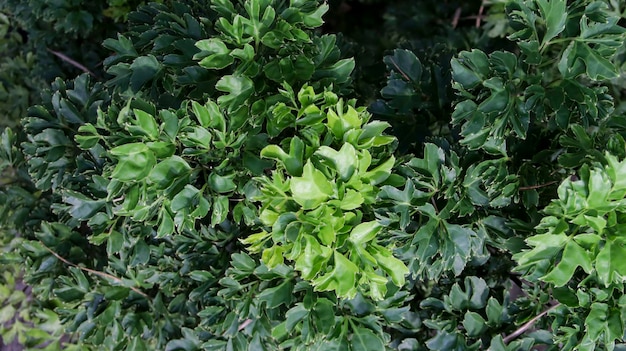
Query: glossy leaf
(312,189)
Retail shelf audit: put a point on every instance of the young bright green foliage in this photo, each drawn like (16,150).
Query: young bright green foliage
(316,203)
(582,227)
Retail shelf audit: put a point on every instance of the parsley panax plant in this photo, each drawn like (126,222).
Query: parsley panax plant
(223,191)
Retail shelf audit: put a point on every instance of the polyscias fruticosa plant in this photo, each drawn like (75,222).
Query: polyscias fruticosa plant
(222,192)
(151,192)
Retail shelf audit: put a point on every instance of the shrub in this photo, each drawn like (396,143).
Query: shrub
(223,191)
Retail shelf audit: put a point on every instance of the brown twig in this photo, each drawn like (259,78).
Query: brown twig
(244,324)
(72,62)
(533,187)
(480,15)
(457,16)
(521,330)
(399,70)
(98,273)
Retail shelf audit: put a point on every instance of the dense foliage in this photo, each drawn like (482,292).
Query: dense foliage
(238,182)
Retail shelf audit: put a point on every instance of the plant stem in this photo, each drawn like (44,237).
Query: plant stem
(521,330)
(72,62)
(533,187)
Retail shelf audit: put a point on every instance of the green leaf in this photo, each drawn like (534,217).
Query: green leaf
(292,161)
(391,265)
(295,315)
(279,295)
(216,61)
(474,324)
(340,71)
(166,172)
(144,69)
(135,161)
(212,46)
(555,17)
(380,173)
(185,198)
(342,279)
(470,68)
(220,210)
(313,257)
(199,137)
(239,89)
(90,137)
(215,54)
(345,160)
(140,253)
(147,123)
(365,340)
(314,19)
(544,246)
(83,208)
(312,189)
(273,256)
(574,256)
(364,233)
(166,226)
(351,200)
(610,262)
(222,184)
(202,114)
(597,67)
(115,242)
(406,63)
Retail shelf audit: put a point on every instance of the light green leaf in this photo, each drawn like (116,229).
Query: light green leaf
(345,160)
(135,161)
(396,269)
(599,186)
(574,256)
(293,162)
(342,279)
(212,46)
(364,233)
(351,200)
(273,256)
(314,19)
(218,54)
(544,246)
(147,123)
(202,114)
(312,189)
(313,257)
(381,172)
(610,262)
